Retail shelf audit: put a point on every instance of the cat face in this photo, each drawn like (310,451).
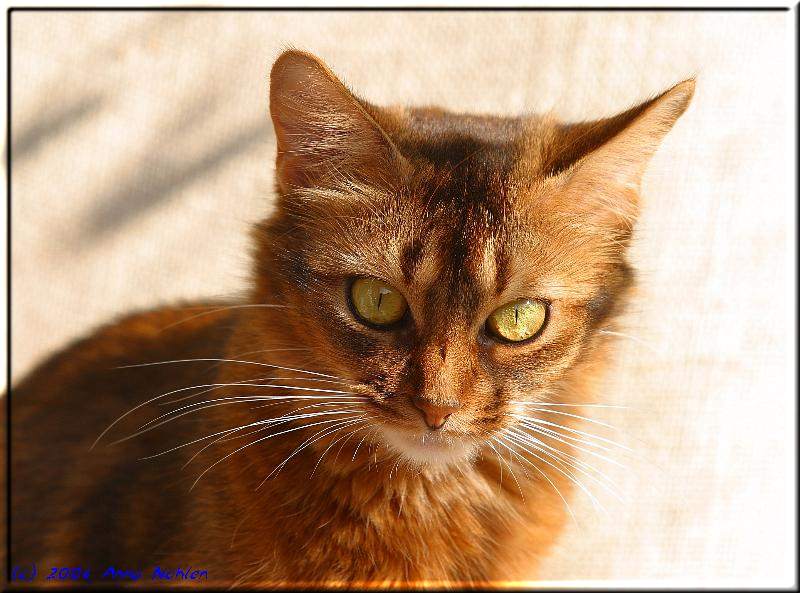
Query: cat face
(449,267)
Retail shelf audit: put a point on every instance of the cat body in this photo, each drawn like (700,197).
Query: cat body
(298,438)
(359,521)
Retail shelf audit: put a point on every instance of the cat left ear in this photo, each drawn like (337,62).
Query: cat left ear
(322,129)
(606,181)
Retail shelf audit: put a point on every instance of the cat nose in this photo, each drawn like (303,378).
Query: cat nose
(435,414)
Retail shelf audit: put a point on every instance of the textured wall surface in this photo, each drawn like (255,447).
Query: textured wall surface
(142,151)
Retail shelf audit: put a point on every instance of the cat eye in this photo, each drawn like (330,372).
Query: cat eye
(518,320)
(376,302)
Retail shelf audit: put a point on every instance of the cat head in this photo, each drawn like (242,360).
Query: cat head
(450,267)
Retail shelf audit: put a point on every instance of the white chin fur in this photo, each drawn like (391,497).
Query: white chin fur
(436,450)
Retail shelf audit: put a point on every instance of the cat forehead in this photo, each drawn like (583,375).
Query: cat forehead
(458,250)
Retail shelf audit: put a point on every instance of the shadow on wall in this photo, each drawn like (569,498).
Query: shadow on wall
(53,124)
(146,182)
(156,178)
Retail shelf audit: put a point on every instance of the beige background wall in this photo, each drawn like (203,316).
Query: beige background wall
(142,152)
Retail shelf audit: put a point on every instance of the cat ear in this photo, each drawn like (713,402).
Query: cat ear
(605,181)
(322,129)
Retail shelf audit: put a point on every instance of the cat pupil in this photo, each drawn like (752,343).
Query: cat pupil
(382,292)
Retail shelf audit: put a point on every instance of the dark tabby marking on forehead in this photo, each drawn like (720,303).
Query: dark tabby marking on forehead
(305,446)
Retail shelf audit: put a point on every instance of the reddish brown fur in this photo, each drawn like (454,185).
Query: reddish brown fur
(461,214)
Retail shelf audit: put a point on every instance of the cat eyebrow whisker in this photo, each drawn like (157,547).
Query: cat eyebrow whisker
(644,343)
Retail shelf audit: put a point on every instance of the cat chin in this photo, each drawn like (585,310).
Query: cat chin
(435,450)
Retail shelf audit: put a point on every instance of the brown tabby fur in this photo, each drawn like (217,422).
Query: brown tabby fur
(462,213)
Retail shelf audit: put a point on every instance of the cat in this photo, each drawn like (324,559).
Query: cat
(395,402)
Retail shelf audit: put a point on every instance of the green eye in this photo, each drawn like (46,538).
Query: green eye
(518,320)
(377,302)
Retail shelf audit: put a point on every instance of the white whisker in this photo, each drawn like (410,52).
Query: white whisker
(592,420)
(544,475)
(316,465)
(258,441)
(110,426)
(572,430)
(244,382)
(263,364)
(576,464)
(219,310)
(560,437)
(252,398)
(634,338)
(303,445)
(231,430)
(522,403)
(566,473)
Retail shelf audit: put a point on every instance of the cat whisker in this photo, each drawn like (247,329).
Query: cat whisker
(630,337)
(316,465)
(115,422)
(530,419)
(232,360)
(509,446)
(592,420)
(351,434)
(245,382)
(219,310)
(569,475)
(560,453)
(523,403)
(309,441)
(332,392)
(503,462)
(575,463)
(358,447)
(560,437)
(303,426)
(267,422)
(196,406)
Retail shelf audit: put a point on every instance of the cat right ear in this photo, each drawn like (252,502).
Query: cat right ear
(322,129)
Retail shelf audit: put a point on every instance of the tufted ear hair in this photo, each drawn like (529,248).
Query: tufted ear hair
(322,129)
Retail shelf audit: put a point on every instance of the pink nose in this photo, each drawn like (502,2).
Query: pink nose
(435,414)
